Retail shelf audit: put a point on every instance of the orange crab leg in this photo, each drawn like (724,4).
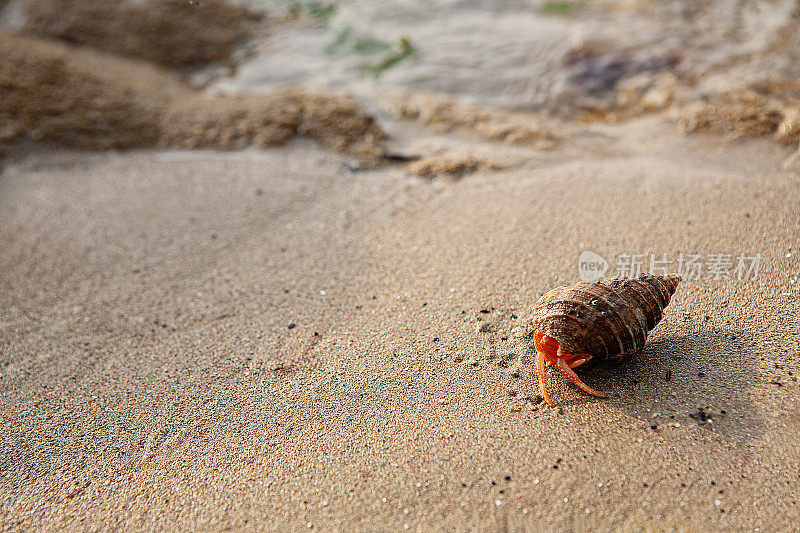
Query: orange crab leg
(570,374)
(540,373)
(549,353)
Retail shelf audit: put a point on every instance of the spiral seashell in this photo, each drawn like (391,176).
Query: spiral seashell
(604,320)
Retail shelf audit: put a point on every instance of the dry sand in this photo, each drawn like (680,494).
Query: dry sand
(281,339)
(151,378)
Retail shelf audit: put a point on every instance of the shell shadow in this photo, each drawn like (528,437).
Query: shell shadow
(703,377)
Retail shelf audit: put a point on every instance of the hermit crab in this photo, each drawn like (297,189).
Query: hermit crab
(609,319)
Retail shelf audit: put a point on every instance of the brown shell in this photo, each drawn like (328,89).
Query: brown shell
(607,319)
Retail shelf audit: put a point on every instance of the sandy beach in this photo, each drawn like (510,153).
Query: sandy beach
(302,335)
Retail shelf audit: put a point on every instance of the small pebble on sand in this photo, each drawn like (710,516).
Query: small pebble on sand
(483,328)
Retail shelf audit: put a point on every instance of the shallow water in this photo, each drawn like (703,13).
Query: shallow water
(514,55)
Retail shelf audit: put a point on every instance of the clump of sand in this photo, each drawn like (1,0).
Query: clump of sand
(172,33)
(452,167)
(765,109)
(736,114)
(82,98)
(267,120)
(446,114)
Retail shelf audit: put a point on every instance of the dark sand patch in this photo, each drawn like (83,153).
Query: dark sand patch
(49,91)
(616,84)
(172,33)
